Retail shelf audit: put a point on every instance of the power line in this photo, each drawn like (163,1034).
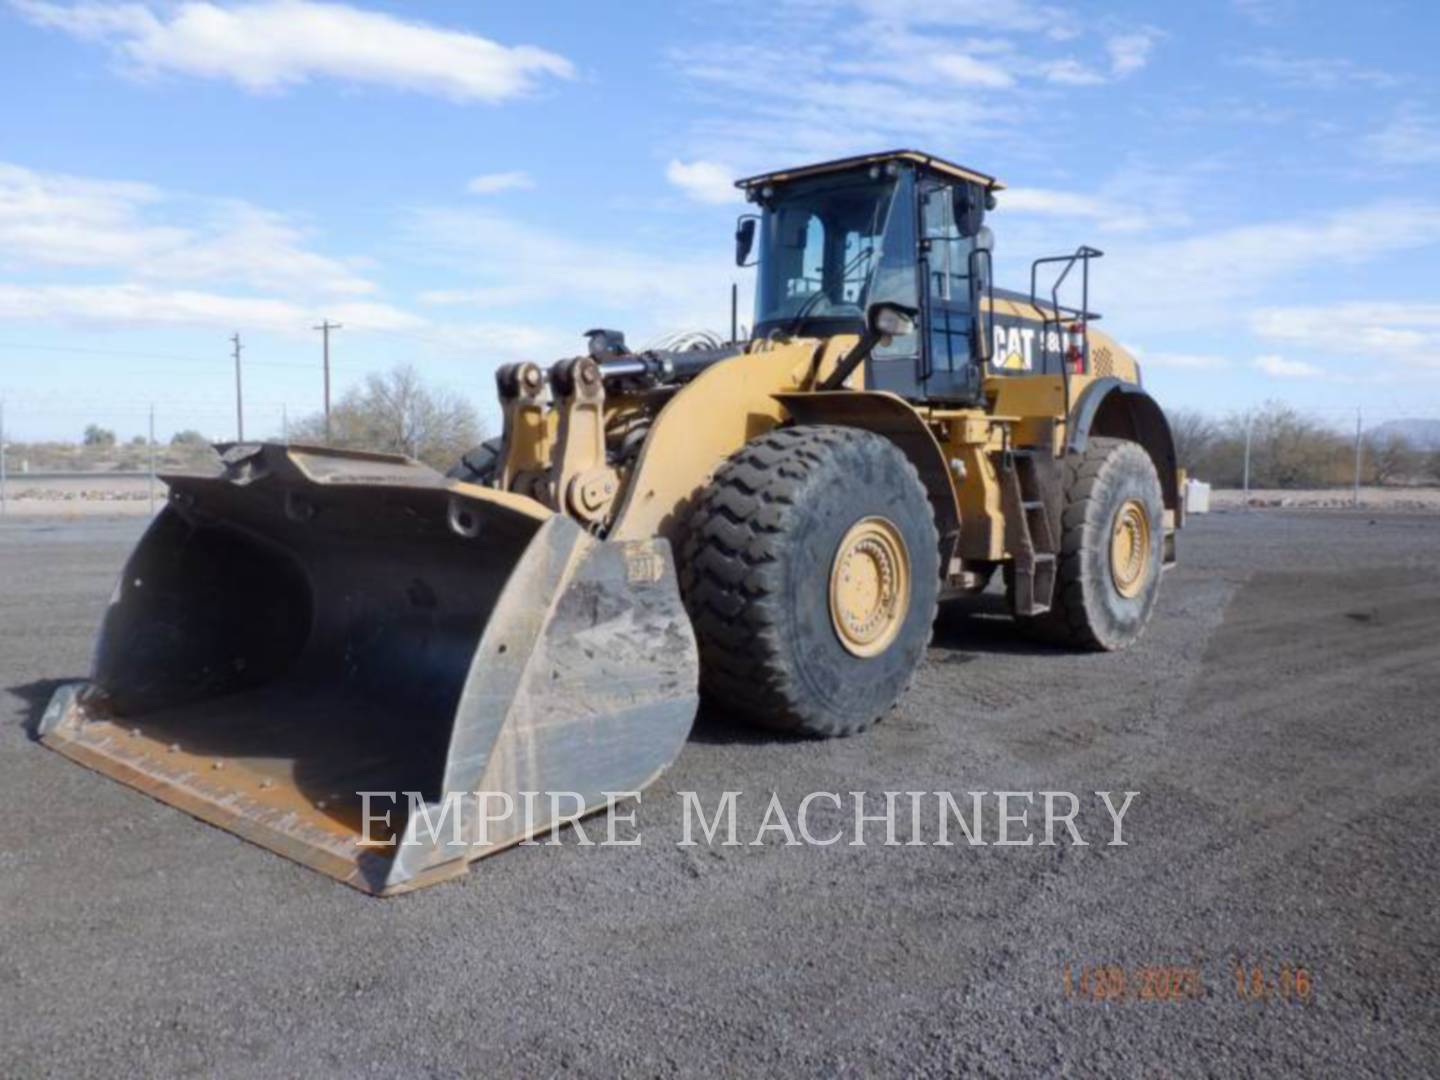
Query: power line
(140,354)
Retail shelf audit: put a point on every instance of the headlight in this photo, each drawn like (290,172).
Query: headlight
(892,320)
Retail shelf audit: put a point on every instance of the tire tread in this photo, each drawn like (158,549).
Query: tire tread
(730,573)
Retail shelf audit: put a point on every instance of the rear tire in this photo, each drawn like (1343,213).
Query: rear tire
(1112,539)
(811,571)
(480,465)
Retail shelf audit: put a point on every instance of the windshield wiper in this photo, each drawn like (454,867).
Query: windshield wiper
(803,313)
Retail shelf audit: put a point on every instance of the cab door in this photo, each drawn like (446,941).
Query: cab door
(948,368)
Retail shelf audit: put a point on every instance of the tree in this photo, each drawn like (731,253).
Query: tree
(188,438)
(98,437)
(1391,457)
(397,413)
(1289,450)
(1195,437)
(139,440)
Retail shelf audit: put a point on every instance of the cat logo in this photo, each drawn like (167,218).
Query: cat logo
(1014,347)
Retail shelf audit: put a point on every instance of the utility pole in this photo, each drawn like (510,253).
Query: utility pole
(1249,420)
(239,401)
(152,459)
(284,424)
(1358,451)
(325,327)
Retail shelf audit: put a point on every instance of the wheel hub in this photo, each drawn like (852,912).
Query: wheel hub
(870,586)
(1130,548)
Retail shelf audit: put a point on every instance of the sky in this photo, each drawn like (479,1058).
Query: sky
(461,185)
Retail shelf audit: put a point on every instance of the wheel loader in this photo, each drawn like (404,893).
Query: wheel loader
(769,522)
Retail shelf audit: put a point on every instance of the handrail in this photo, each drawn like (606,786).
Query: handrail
(1083,315)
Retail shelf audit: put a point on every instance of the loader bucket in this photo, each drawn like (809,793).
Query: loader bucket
(316,624)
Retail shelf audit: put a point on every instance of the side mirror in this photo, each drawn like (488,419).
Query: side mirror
(745,238)
(969,208)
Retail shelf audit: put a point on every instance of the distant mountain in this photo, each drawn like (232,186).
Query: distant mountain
(1424,434)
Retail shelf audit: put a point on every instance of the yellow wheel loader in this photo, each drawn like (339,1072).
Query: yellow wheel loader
(301,641)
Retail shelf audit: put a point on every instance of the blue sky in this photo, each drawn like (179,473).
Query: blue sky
(462,185)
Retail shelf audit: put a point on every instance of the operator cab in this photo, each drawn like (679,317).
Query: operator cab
(902,228)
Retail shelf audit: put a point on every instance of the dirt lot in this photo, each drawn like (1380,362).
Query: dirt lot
(1279,721)
(61,496)
(1400,499)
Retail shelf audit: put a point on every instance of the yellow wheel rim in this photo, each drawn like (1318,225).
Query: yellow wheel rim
(870,586)
(1130,548)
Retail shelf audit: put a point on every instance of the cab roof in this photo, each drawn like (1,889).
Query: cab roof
(915,157)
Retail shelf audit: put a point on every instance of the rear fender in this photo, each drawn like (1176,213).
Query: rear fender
(1113,408)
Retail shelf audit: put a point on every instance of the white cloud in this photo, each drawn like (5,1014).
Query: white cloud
(1129,52)
(1125,53)
(1281,368)
(991,14)
(778,106)
(802,80)
(526,266)
(968,71)
(1200,280)
(69,221)
(1182,361)
(173,259)
(1132,206)
(1315,73)
(494,183)
(1264,12)
(145,305)
(50,219)
(54,220)
(1410,138)
(1396,334)
(1049,202)
(268,45)
(1071,72)
(703,181)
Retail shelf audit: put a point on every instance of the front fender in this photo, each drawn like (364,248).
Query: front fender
(890,416)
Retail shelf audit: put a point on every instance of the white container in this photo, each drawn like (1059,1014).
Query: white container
(1197,497)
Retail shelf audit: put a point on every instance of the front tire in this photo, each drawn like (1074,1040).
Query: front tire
(811,571)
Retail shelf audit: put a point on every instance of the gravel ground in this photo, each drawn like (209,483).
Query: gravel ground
(1398,499)
(1278,720)
(84,495)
